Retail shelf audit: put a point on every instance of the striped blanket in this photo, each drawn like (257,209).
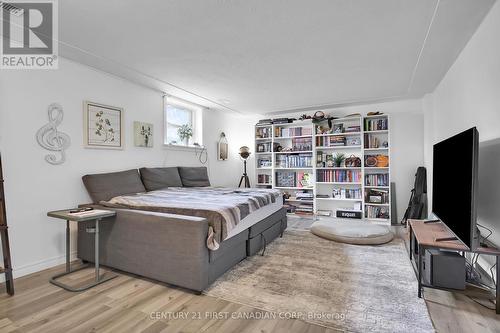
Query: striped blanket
(224,208)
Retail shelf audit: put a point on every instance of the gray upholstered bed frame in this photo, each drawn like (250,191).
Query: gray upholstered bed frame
(172,248)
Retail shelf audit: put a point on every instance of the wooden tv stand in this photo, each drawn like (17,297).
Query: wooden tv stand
(428,235)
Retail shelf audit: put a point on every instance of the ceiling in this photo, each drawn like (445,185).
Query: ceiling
(253,56)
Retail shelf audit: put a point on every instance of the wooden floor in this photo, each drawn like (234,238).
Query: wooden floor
(131,304)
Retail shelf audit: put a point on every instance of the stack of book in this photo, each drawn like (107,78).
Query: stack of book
(281,120)
(265,122)
(339,176)
(376,124)
(304,196)
(264,162)
(377,179)
(294,161)
(330,141)
(352,129)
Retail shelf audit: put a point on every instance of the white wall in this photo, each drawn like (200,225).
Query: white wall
(469,95)
(34,187)
(407,128)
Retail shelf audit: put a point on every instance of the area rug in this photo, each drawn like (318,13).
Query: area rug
(346,287)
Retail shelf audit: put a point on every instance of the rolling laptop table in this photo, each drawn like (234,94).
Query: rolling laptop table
(96,215)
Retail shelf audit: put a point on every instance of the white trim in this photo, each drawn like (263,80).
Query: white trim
(171,146)
(39,266)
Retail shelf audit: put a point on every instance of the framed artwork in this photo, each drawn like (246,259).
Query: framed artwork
(102,126)
(143,134)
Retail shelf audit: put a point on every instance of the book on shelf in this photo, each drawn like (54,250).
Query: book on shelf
(304,179)
(302,160)
(330,141)
(264,162)
(264,179)
(282,120)
(304,195)
(371,141)
(348,213)
(352,129)
(286,132)
(338,176)
(377,179)
(377,212)
(346,193)
(263,147)
(302,144)
(293,179)
(379,124)
(263,132)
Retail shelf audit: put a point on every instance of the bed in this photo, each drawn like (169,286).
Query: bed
(172,226)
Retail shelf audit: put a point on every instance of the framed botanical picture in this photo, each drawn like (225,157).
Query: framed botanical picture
(143,134)
(102,126)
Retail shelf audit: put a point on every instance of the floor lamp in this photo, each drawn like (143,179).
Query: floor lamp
(244,154)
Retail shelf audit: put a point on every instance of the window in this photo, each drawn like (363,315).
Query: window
(177,114)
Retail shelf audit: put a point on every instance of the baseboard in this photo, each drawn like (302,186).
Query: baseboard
(39,266)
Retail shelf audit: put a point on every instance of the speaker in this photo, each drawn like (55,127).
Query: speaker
(444,269)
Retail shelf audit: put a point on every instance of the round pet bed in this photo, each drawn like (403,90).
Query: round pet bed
(352,232)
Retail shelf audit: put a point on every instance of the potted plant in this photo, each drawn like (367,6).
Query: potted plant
(339,158)
(185,132)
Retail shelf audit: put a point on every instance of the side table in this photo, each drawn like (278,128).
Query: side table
(96,215)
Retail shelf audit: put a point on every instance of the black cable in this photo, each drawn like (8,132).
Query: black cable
(201,153)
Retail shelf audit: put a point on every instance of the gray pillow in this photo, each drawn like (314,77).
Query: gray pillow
(105,186)
(194,176)
(158,178)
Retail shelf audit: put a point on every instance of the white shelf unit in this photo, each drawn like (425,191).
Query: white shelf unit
(326,187)
(382,146)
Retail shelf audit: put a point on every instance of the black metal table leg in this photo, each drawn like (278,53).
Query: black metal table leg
(420,253)
(411,239)
(497,286)
(98,278)
(68,260)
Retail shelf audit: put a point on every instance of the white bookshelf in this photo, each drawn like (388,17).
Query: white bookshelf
(318,187)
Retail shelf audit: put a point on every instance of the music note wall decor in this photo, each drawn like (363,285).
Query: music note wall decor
(48,137)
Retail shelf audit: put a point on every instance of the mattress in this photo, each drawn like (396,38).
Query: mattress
(256,217)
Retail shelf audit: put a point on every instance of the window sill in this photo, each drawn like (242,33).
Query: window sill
(182,147)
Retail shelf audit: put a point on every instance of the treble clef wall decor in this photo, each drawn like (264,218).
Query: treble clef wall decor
(50,138)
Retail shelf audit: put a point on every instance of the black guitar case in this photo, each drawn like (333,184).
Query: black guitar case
(417,206)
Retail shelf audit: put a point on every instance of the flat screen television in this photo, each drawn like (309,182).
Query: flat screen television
(454,184)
